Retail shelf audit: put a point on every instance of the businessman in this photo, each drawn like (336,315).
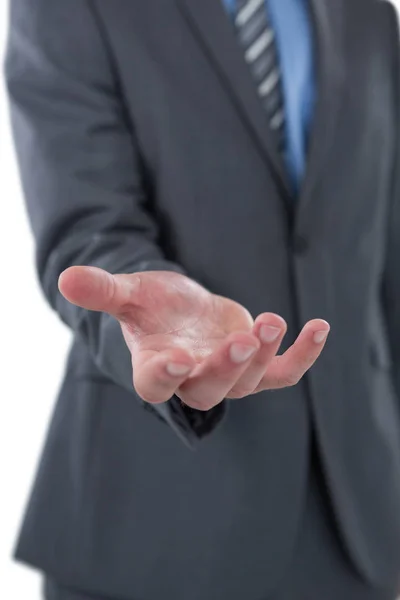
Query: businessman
(213,187)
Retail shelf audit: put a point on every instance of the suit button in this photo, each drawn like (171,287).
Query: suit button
(300,245)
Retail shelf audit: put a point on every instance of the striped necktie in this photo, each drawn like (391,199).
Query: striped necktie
(257,37)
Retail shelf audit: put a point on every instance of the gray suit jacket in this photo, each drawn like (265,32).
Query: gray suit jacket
(143,145)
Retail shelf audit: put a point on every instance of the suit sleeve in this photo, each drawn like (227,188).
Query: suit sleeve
(391,282)
(83,176)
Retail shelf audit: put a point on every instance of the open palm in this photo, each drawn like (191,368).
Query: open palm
(187,341)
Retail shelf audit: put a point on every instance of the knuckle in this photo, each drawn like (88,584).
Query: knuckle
(110,287)
(148,399)
(207,407)
(147,396)
(192,402)
(290,380)
(240,392)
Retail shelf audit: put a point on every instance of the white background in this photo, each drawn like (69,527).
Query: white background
(33,345)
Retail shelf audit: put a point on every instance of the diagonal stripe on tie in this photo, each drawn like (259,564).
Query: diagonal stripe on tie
(247,11)
(253,27)
(260,45)
(277,119)
(269,83)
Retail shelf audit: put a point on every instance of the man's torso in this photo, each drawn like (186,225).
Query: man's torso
(225,211)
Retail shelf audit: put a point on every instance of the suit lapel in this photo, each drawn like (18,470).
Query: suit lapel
(329,30)
(212,27)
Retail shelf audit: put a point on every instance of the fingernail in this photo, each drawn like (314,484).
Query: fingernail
(240,353)
(177,370)
(320,336)
(269,334)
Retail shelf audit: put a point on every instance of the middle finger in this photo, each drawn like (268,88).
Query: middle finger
(216,376)
(270,330)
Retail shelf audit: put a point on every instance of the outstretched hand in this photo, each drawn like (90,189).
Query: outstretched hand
(184,340)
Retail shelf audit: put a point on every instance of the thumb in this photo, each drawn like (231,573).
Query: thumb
(95,289)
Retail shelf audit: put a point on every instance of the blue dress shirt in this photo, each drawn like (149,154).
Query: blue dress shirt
(292,24)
